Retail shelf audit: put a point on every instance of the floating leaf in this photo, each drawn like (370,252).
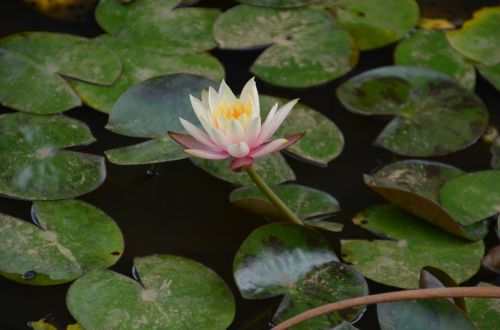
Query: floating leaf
(278,3)
(173,293)
(415,185)
(432,277)
(431,314)
(273,168)
(477,39)
(68,238)
(410,244)
(158,26)
(306,47)
(472,197)
(151,109)
(491,73)
(33,66)
(434,114)
(485,313)
(34,164)
(430,49)
(285,258)
(323,140)
(305,202)
(368,22)
(140,65)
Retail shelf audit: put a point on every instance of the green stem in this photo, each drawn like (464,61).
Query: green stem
(272,196)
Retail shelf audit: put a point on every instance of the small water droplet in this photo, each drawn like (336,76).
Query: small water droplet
(28,275)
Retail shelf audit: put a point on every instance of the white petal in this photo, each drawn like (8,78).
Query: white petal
(250,95)
(204,98)
(273,125)
(198,134)
(235,131)
(238,150)
(268,148)
(201,112)
(206,154)
(253,130)
(266,126)
(213,100)
(219,138)
(226,94)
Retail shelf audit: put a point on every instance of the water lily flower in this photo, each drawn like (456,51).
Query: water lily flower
(232,126)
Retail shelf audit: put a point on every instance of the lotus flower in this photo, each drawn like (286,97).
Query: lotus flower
(232,126)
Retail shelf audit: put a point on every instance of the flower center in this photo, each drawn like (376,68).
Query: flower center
(234,111)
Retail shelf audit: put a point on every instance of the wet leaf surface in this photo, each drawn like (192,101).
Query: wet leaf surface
(68,239)
(278,3)
(485,313)
(173,293)
(158,26)
(491,73)
(408,245)
(306,47)
(430,49)
(34,66)
(140,65)
(149,152)
(415,186)
(34,163)
(434,114)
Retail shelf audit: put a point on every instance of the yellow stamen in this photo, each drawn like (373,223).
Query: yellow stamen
(234,111)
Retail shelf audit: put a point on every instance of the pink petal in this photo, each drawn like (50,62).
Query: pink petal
(238,163)
(197,133)
(187,141)
(207,154)
(276,145)
(275,122)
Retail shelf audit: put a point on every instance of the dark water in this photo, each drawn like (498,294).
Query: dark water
(185,211)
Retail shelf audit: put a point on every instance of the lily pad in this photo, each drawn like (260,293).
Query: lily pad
(285,258)
(434,114)
(472,197)
(409,245)
(68,239)
(491,73)
(485,313)
(278,3)
(173,293)
(272,168)
(477,39)
(368,22)
(34,66)
(158,26)
(140,65)
(35,165)
(431,49)
(323,140)
(432,277)
(415,186)
(306,46)
(151,109)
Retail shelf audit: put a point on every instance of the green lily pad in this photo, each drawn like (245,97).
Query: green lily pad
(273,168)
(410,245)
(472,197)
(491,73)
(430,49)
(158,26)
(43,324)
(34,65)
(278,3)
(431,314)
(151,109)
(477,39)
(368,22)
(68,239)
(415,186)
(485,313)
(140,65)
(173,293)
(495,153)
(305,202)
(323,140)
(290,259)
(35,165)
(306,47)
(434,114)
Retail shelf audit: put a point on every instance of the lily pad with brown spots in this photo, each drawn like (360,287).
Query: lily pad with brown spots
(67,239)
(485,313)
(434,115)
(279,3)
(169,292)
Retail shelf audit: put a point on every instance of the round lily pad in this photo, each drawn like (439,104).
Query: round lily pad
(149,152)
(415,185)
(306,47)
(477,39)
(34,164)
(434,114)
(485,313)
(472,197)
(323,140)
(272,168)
(173,293)
(278,3)
(491,73)
(368,22)
(33,66)
(140,65)
(290,259)
(409,245)
(431,49)
(68,239)
(159,26)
